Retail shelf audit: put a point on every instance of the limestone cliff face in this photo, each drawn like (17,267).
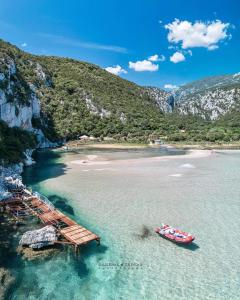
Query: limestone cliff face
(12,111)
(210,104)
(64,98)
(210,98)
(160,97)
(19,102)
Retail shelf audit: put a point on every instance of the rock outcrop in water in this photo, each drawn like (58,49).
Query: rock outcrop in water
(39,238)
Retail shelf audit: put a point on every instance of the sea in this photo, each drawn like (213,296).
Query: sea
(122,196)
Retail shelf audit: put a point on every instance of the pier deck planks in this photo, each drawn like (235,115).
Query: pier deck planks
(72,232)
(78,235)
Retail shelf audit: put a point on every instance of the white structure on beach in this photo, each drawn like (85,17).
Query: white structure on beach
(84,138)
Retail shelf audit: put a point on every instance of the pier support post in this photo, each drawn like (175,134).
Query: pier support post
(76,249)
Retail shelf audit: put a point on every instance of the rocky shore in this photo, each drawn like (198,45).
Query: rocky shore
(15,236)
(12,254)
(7,175)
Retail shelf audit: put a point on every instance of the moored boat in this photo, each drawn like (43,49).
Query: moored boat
(174,235)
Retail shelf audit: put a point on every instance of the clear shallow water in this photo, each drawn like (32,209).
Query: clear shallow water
(123,201)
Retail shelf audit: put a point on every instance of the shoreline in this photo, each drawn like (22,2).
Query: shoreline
(120,146)
(206,146)
(91,161)
(75,145)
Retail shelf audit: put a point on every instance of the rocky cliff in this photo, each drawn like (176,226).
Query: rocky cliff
(60,98)
(161,98)
(15,110)
(19,101)
(210,98)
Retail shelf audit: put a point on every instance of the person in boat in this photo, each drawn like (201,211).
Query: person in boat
(162,231)
(167,231)
(179,235)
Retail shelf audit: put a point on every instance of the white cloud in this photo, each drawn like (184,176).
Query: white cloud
(144,65)
(153,58)
(177,57)
(198,34)
(24,45)
(156,58)
(212,47)
(170,86)
(148,64)
(116,70)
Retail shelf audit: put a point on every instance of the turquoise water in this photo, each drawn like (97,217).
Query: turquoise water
(122,201)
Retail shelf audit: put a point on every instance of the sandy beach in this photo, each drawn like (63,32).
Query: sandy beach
(126,146)
(92,160)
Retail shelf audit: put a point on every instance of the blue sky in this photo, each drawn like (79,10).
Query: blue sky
(192,39)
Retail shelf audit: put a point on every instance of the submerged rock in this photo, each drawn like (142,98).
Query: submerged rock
(145,233)
(28,161)
(6,280)
(39,238)
(32,254)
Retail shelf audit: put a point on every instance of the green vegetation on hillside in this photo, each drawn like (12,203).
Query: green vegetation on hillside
(80,98)
(84,99)
(13,142)
(195,129)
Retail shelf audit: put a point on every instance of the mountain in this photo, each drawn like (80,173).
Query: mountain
(211,98)
(160,97)
(63,97)
(54,99)
(85,99)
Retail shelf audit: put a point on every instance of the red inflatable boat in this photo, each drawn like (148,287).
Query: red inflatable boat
(174,235)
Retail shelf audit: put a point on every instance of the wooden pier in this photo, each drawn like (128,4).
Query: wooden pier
(24,204)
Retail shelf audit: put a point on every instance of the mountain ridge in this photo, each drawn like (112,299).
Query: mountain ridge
(57,98)
(211,97)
